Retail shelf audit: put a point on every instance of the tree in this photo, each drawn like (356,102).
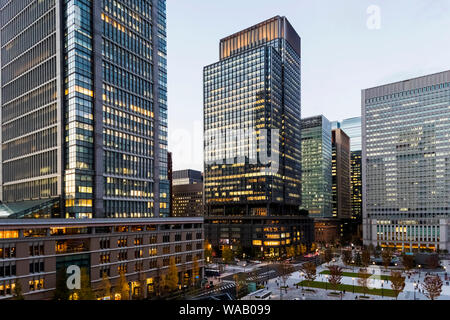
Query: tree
(365,257)
(327,255)
(371,249)
(172,275)
(240,281)
(85,292)
(407,261)
(335,276)
(61,290)
(377,251)
(195,272)
(138,292)
(386,256)
(298,250)
(358,260)
(433,262)
(290,251)
(432,286)
(310,270)
(303,249)
(285,269)
(208,252)
(18,292)
(363,279)
(346,256)
(106,286)
(397,282)
(227,254)
(123,287)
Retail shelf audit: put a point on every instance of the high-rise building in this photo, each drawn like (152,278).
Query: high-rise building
(187,194)
(352,127)
(84,108)
(252,112)
(187,176)
(340,174)
(188,200)
(406,163)
(316,166)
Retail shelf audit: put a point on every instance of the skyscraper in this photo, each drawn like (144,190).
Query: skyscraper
(352,127)
(316,166)
(84,108)
(406,163)
(187,195)
(340,174)
(252,112)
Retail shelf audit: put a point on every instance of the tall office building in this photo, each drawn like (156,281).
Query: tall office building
(187,176)
(84,108)
(187,195)
(352,127)
(406,163)
(340,174)
(316,166)
(254,89)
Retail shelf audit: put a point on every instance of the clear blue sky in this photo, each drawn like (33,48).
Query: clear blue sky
(340,54)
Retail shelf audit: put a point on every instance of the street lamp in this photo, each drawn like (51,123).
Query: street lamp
(382,292)
(301,279)
(326,282)
(353,281)
(415,286)
(420,266)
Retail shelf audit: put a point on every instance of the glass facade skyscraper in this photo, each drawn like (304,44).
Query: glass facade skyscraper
(84,108)
(406,163)
(254,88)
(316,166)
(340,174)
(352,127)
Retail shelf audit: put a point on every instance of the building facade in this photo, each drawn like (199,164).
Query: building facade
(188,200)
(252,134)
(406,163)
(340,174)
(84,108)
(352,127)
(187,176)
(32,252)
(316,167)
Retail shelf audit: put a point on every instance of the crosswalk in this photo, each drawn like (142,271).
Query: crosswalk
(224,286)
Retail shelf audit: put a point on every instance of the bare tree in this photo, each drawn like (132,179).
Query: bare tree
(408,261)
(433,262)
(397,282)
(310,271)
(335,276)
(363,279)
(327,255)
(285,269)
(386,256)
(365,257)
(346,256)
(432,286)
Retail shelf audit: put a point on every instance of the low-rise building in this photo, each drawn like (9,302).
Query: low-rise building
(32,252)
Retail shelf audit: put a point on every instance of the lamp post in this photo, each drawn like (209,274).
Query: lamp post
(301,279)
(326,282)
(382,289)
(353,281)
(415,286)
(420,266)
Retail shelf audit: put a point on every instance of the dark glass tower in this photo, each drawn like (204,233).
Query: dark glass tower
(84,108)
(254,89)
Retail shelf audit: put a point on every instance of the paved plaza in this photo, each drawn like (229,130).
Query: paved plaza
(292,292)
